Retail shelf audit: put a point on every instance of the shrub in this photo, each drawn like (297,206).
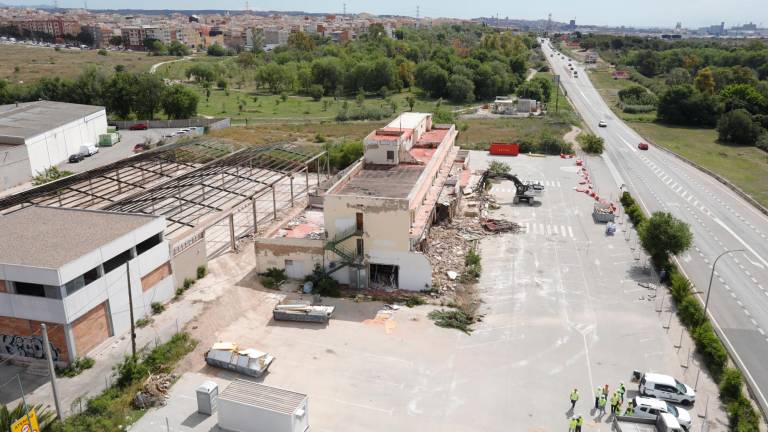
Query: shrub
(102,52)
(472,267)
(179,291)
(323,284)
(690,311)
(742,416)
(414,301)
(455,318)
(497,168)
(711,349)
(679,287)
(129,371)
(188,282)
(591,143)
(316,92)
(730,385)
(143,322)
(76,367)
(202,270)
(157,308)
(626,199)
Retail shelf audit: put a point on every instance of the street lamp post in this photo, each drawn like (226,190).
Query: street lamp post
(712,275)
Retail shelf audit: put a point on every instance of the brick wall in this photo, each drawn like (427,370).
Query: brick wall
(155,276)
(21,337)
(91,329)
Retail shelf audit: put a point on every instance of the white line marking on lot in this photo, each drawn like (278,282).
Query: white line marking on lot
(753,321)
(373,408)
(761,331)
(562,230)
(570,231)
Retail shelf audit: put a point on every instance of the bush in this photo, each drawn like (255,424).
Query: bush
(76,367)
(738,127)
(591,143)
(130,370)
(663,235)
(635,214)
(143,322)
(202,271)
(690,311)
(679,287)
(414,301)
(626,199)
(102,52)
(711,349)
(730,385)
(637,109)
(273,277)
(316,92)
(472,267)
(552,145)
(742,416)
(455,318)
(322,283)
(497,168)
(188,282)
(179,291)
(157,308)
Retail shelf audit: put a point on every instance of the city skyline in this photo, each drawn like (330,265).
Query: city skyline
(651,13)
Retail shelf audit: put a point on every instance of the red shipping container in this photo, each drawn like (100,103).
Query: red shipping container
(504,149)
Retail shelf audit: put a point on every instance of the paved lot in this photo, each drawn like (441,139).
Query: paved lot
(562,309)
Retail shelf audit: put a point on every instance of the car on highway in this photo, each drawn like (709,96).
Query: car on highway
(650,408)
(602,123)
(666,387)
(76,157)
(643,146)
(138,126)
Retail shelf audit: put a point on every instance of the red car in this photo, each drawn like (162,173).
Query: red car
(138,126)
(642,146)
(138,148)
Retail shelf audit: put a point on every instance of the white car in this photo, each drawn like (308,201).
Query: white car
(651,408)
(602,123)
(665,387)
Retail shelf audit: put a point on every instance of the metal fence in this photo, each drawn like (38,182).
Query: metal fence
(214,123)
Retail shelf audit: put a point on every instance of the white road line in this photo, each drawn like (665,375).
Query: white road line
(570,232)
(562,230)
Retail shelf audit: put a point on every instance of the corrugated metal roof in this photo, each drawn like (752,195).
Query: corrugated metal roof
(262,396)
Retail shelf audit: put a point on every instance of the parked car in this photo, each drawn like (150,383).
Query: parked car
(651,408)
(138,126)
(643,146)
(170,134)
(88,149)
(666,387)
(602,123)
(140,147)
(76,157)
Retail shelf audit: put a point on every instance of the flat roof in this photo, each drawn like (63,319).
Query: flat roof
(30,119)
(407,120)
(49,237)
(262,396)
(385,181)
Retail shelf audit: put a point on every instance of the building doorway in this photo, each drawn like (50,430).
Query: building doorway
(359,220)
(384,276)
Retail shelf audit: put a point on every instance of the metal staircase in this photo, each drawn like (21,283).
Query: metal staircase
(348,257)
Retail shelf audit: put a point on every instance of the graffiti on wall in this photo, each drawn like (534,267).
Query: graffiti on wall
(26,346)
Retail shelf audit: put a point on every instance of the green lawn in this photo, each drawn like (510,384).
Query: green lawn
(747,167)
(601,77)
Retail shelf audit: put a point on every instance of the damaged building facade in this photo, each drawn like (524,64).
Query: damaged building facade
(367,226)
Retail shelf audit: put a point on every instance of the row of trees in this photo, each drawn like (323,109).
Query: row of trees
(125,95)
(461,63)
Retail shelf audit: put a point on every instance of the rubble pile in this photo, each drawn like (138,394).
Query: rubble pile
(499,225)
(154,392)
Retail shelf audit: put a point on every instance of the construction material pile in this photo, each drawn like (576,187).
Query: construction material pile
(154,392)
(446,247)
(499,225)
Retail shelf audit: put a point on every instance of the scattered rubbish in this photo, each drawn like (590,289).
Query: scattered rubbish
(154,391)
(499,225)
(452,275)
(392,306)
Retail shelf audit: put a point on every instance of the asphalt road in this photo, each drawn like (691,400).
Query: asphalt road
(720,221)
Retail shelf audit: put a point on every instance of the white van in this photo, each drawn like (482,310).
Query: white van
(88,149)
(651,408)
(665,387)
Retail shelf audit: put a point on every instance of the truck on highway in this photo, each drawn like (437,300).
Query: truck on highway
(664,422)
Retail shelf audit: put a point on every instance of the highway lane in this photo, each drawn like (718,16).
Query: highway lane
(720,220)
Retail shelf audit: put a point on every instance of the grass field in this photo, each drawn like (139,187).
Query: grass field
(34,62)
(563,105)
(601,77)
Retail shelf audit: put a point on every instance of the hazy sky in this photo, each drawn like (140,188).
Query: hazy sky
(692,13)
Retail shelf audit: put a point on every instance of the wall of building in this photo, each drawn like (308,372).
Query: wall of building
(21,338)
(186,262)
(55,145)
(386,222)
(14,166)
(91,329)
(376,152)
(415,271)
(304,253)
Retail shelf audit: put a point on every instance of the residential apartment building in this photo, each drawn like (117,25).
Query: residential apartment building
(73,269)
(57,27)
(275,36)
(376,214)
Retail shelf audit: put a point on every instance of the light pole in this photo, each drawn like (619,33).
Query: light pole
(712,275)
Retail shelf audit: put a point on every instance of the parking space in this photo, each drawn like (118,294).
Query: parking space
(562,308)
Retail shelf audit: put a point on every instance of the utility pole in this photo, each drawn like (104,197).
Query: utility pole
(417,12)
(51,370)
(344,9)
(130,308)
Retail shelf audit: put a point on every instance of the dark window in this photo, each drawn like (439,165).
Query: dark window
(117,261)
(148,244)
(29,289)
(359,220)
(91,275)
(390,155)
(84,279)
(360,248)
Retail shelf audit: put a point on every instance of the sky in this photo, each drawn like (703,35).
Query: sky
(658,13)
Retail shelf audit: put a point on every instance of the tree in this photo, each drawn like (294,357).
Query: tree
(327,72)
(179,102)
(376,31)
(155,47)
(301,41)
(530,90)
(431,78)
(648,63)
(217,50)
(460,89)
(316,92)
(120,94)
(146,102)
(246,59)
(705,81)
(685,106)
(591,143)
(116,41)
(678,76)
(202,73)
(663,235)
(411,101)
(744,96)
(276,77)
(737,127)
(178,49)
(85,37)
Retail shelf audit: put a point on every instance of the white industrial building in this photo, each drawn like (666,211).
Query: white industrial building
(37,135)
(67,268)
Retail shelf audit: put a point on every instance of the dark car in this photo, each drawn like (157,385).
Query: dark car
(75,158)
(138,126)
(642,146)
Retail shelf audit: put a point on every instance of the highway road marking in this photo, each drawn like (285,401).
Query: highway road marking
(740,240)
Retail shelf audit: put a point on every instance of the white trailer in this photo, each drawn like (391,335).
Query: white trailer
(245,406)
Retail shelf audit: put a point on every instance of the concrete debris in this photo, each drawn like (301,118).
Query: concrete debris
(154,392)
(499,225)
(452,275)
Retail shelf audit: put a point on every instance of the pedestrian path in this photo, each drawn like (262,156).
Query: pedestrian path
(565,231)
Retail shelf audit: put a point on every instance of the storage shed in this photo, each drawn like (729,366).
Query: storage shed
(245,406)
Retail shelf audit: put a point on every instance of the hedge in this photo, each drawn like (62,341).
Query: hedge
(741,414)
